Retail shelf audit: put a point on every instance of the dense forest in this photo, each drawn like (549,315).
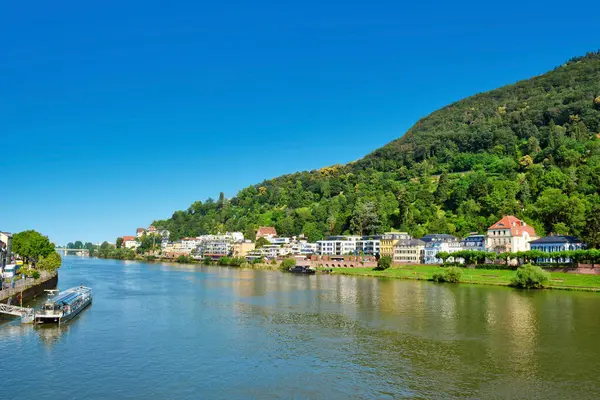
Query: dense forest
(530,149)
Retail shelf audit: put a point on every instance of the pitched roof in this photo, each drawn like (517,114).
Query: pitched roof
(556,239)
(409,242)
(128,238)
(140,230)
(266,230)
(439,237)
(516,226)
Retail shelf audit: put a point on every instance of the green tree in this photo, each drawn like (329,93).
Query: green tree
(50,262)
(78,245)
(365,220)
(119,242)
(32,246)
(260,242)
(383,263)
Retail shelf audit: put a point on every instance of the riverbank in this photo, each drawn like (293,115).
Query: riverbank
(30,289)
(559,280)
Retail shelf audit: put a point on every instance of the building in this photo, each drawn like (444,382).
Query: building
(369,245)
(241,249)
(139,232)
(474,241)
(435,243)
(267,232)
(389,240)
(409,251)
(337,245)
(189,245)
(553,243)
(304,248)
(279,240)
(510,234)
(5,252)
(213,249)
(130,242)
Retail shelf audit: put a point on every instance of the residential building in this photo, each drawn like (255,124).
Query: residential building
(189,244)
(510,234)
(409,251)
(553,243)
(337,245)
(139,232)
(130,242)
(303,247)
(435,243)
(267,232)
(369,245)
(214,249)
(241,249)
(389,240)
(279,240)
(5,251)
(474,242)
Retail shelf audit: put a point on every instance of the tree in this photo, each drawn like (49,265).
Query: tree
(443,189)
(383,263)
(591,231)
(32,246)
(260,242)
(78,245)
(119,242)
(50,263)
(70,245)
(365,219)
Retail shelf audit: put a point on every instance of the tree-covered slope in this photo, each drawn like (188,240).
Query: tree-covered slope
(530,149)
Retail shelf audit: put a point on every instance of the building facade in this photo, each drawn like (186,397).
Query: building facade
(436,243)
(389,240)
(550,244)
(369,245)
(409,251)
(337,245)
(510,234)
(475,242)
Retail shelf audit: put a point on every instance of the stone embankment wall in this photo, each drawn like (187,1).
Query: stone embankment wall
(31,290)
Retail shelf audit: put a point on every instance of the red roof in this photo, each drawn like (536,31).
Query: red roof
(151,229)
(516,226)
(140,230)
(128,238)
(266,230)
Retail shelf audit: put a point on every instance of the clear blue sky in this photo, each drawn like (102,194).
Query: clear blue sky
(114,114)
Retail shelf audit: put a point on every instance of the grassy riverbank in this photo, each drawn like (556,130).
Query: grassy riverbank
(559,280)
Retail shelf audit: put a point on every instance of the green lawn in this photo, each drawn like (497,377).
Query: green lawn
(560,280)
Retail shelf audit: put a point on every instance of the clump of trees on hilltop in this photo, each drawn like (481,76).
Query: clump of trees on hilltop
(530,149)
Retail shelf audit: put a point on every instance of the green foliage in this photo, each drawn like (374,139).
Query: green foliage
(531,277)
(119,242)
(32,246)
(527,149)
(184,259)
(231,261)
(50,263)
(287,263)
(207,261)
(449,274)
(260,242)
(383,263)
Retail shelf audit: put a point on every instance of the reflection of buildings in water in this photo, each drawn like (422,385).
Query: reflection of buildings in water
(50,335)
(12,328)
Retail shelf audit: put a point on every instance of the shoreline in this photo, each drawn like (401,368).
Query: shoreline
(490,277)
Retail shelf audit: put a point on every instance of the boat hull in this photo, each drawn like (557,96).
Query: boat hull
(60,319)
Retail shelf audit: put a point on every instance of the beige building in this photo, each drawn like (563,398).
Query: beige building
(241,249)
(409,251)
(510,234)
(389,240)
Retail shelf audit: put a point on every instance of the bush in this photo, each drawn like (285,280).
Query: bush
(287,263)
(273,262)
(183,259)
(35,275)
(450,274)
(530,277)
(207,261)
(383,263)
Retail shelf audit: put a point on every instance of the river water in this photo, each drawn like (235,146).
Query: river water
(159,331)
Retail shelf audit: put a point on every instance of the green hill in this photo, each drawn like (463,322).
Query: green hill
(530,149)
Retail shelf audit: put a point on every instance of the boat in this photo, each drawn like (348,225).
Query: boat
(302,269)
(64,306)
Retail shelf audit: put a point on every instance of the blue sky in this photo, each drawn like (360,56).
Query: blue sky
(114,114)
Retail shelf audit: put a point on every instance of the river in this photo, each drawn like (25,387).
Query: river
(158,331)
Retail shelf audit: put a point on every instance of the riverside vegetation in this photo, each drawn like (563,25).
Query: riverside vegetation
(528,149)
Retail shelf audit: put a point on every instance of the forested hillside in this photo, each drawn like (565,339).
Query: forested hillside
(530,149)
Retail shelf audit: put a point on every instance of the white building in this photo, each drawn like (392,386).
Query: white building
(369,245)
(510,234)
(189,245)
(435,243)
(337,245)
(474,241)
(130,242)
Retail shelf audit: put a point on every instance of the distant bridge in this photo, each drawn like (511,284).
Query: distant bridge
(79,252)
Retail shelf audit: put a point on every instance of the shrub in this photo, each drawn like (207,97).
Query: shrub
(450,274)
(35,275)
(383,263)
(207,261)
(287,263)
(530,277)
(183,259)
(273,262)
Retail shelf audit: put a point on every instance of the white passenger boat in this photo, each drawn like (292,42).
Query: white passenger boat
(64,305)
